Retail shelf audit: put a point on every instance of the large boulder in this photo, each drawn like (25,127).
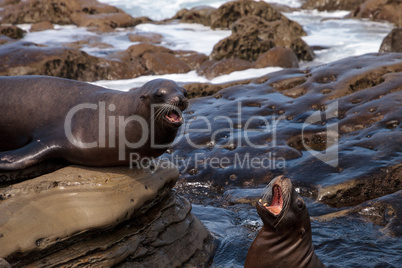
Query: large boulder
(392,42)
(334,129)
(81,216)
(252,36)
(380,10)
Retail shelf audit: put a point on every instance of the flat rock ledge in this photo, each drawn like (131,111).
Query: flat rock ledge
(101,217)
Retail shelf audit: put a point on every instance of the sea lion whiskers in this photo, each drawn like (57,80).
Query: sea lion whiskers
(267,192)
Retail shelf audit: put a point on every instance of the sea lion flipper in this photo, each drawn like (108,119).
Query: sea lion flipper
(26,156)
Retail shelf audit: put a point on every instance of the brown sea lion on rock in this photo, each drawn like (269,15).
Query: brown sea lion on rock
(285,238)
(46,117)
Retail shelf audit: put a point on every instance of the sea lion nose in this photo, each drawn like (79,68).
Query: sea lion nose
(183,103)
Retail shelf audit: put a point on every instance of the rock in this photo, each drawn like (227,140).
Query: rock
(146,38)
(380,10)
(164,63)
(385,211)
(12,32)
(41,26)
(26,58)
(147,59)
(277,56)
(392,42)
(88,13)
(101,217)
(211,69)
(139,20)
(103,22)
(201,15)
(192,58)
(230,12)
(285,121)
(243,196)
(196,90)
(325,5)
(252,36)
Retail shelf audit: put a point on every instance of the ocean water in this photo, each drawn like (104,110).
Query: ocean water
(340,243)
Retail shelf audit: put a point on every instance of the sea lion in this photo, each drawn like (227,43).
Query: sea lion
(285,238)
(46,117)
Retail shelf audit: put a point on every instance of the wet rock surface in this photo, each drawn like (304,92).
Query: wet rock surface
(392,42)
(101,217)
(251,132)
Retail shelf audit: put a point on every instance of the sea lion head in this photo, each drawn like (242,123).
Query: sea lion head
(282,209)
(167,101)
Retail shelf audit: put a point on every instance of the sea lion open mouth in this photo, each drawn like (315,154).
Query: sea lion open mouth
(276,205)
(173,116)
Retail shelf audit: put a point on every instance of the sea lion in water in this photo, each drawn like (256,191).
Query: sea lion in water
(285,238)
(46,117)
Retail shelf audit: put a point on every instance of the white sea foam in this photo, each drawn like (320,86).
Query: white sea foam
(339,37)
(126,84)
(185,36)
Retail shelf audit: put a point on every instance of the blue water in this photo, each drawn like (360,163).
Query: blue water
(349,242)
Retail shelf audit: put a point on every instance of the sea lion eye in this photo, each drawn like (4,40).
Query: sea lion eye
(158,95)
(300,204)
